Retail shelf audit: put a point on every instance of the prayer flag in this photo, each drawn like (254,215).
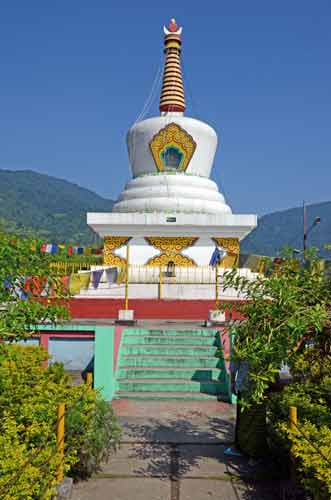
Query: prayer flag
(112,275)
(74,284)
(96,277)
(215,258)
(70,250)
(84,278)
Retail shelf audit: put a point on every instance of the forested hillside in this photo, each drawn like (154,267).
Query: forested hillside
(54,209)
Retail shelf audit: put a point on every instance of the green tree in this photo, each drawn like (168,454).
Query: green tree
(31,292)
(284,310)
(288,306)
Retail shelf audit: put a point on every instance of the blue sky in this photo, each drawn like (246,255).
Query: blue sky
(76,74)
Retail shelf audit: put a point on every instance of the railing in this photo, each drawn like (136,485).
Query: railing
(70,267)
(195,275)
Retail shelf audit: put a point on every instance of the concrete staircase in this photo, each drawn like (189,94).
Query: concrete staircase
(170,364)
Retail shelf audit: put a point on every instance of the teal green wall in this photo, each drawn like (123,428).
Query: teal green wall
(104,379)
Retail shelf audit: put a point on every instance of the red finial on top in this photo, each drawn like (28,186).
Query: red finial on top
(172,27)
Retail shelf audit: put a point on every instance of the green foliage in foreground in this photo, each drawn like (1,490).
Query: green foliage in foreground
(310,442)
(284,309)
(288,319)
(29,395)
(45,295)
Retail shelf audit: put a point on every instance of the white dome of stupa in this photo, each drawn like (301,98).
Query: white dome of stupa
(171,155)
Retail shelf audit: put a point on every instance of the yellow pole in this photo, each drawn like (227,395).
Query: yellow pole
(60,440)
(160,284)
(293,416)
(127,278)
(216,284)
(89,379)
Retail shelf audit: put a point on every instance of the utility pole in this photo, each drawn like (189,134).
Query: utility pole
(304,228)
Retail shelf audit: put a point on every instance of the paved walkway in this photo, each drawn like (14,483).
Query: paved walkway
(175,451)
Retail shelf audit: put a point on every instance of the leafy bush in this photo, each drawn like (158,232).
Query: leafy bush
(310,443)
(311,446)
(29,396)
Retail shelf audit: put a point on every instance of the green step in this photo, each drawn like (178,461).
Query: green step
(204,387)
(162,364)
(169,333)
(165,350)
(171,373)
(157,396)
(164,340)
(173,361)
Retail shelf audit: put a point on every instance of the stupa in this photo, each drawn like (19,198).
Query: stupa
(171,211)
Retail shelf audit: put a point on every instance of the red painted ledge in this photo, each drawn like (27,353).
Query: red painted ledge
(146,308)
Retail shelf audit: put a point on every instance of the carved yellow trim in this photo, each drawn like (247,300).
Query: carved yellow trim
(164,259)
(232,246)
(172,134)
(171,249)
(111,243)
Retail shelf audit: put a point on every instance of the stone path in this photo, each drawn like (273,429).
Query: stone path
(173,450)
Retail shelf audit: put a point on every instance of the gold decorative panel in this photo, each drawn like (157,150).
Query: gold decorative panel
(172,148)
(232,246)
(111,243)
(171,249)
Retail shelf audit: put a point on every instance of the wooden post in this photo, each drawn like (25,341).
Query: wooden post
(127,277)
(293,417)
(60,440)
(160,284)
(89,379)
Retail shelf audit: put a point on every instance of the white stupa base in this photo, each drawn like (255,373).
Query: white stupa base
(172,224)
(172,192)
(170,290)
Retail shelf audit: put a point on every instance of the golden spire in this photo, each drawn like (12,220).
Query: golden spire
(172,94)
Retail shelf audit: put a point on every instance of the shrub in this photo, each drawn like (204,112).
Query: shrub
(29,396)
(311,446)
(310,443)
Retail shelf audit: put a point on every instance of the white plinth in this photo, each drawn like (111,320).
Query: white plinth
(126,315)
(216,316)
(172,224)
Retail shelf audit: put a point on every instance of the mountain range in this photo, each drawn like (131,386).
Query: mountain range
(55,210)
(51,208)
(285,228)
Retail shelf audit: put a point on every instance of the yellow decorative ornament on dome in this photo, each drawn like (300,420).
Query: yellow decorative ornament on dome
(172,148)
(171,249)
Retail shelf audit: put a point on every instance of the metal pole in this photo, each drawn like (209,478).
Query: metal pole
(160,284)
(304,229)
(127,277)
(60,440)
(216,284)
